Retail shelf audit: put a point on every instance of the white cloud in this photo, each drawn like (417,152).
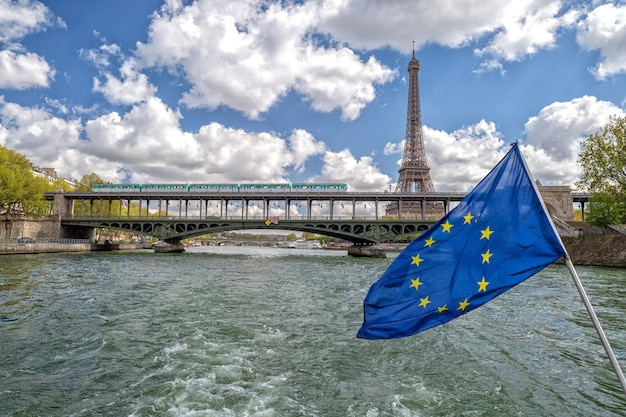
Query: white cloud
(19,18)
(101,57)
(556,132)
(303,145)
(37,134)
(528,26)
(148,142)
(511,30)
(460,159)
(604,29)
(134,87)
(366,24)
(23,70)
(360,175)
(559,127)
(18,69)
(248,57)
(243,156)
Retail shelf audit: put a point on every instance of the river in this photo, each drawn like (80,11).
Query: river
(245,331)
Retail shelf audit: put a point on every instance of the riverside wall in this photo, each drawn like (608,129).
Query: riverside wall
(14,248)
(599,250)
(17,227)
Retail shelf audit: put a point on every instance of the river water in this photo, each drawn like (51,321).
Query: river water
(243,331)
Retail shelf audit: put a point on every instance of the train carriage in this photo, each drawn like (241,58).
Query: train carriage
(226,188)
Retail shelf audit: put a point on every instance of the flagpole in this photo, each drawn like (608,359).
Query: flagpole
(581,289)
(596,323)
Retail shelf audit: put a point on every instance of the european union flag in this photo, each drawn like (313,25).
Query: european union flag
(496,237)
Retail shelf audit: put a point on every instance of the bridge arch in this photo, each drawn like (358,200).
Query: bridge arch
(363,232)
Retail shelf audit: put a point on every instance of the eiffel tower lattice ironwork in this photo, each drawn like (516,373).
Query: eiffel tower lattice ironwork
(414,171)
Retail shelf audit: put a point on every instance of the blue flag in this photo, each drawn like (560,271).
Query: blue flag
(496,237)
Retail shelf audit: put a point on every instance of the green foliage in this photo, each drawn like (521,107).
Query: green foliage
(604,210)
(88,180)
(20,191)
(60,184)
(603,162)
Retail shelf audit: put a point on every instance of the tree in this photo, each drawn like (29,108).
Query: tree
(62,185)
(21,192)
(604,210)
(97,208)
(603,162)
(87,181)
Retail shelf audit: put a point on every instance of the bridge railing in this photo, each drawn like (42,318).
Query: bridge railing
(23,241)
(253,218)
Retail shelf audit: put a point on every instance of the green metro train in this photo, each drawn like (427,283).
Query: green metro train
(226,188)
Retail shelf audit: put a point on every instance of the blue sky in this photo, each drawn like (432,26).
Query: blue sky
(267,91)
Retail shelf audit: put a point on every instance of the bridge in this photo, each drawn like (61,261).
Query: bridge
(171,216)
(358,217)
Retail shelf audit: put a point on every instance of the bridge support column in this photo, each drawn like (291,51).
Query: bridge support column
(169,246)
(62,206)
(367,251)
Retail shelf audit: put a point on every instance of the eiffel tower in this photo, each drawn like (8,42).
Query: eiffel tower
(414,171)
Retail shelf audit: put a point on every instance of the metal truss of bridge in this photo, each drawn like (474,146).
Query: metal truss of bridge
(356,217)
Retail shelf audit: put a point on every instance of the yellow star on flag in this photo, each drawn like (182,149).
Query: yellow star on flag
(416,260)
(486,256)
(415,283)
(424,302)
(463,305)
(486,233)
(443,308)
(482,285)
(429,242)
(447,226)
(468,218)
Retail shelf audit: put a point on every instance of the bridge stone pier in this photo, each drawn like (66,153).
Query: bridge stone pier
(558,200)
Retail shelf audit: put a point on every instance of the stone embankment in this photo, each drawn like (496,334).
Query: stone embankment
(600,250)
(15,248)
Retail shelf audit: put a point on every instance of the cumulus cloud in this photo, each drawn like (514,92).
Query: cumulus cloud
(528,26)
(247,58)
(248,55)
(555,134)
(133,87)
(510,30)
(560,126)
(360,174)
(460,159)
(149,144)
(18,19)
(38,134)
(18,69)
(23,70)
(604,29)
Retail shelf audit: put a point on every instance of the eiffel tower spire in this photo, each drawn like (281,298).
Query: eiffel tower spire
(414,171)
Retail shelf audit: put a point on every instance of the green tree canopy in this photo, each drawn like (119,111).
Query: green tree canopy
(603,162)
(87,181)
(21,192)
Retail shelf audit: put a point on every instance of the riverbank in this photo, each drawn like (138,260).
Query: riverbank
(598,250)
(15,248)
